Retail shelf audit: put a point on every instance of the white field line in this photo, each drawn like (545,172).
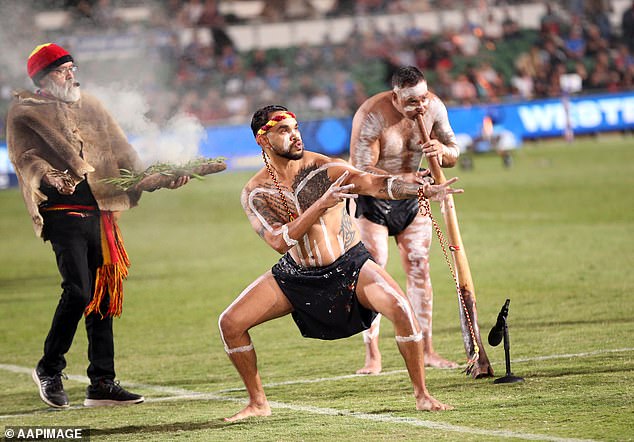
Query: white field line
(177,394)
(384,418)
(388,373)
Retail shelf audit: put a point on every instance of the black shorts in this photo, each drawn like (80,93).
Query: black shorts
(323,298)
(395,215)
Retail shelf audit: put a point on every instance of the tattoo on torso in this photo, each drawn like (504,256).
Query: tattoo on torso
(308,186)
(347,230)
(269,204)
(313,185)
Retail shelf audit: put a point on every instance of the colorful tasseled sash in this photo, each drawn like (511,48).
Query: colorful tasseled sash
(113,270)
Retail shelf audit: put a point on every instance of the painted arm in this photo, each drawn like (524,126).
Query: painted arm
(443,143)
(392,187)
(365,144)
(263,209)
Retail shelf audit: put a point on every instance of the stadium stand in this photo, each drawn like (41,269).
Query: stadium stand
(219,60)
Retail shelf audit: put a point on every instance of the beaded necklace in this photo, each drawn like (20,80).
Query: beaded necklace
(291,217)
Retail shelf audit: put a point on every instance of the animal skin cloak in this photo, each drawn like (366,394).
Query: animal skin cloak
(82,138)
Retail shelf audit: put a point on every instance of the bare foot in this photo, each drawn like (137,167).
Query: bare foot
(436,361)
(428,403)
(369,369)
(372,357)
(249,411)
(372,366)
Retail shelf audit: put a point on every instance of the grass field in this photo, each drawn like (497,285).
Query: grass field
(554,233)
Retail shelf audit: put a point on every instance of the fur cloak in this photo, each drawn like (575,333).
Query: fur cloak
(82,138)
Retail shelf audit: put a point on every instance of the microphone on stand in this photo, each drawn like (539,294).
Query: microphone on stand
(497,331)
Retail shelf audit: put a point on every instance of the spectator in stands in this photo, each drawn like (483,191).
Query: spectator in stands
(551,53)
(627,27)
(211,108)
(510,27)
(492,28)
(442,85)
(595,43)
(574,44)
(463,91)
(341,8)
(541,82)
(599,77)
(230,63)
(190,13)
(550,22)
(364,7)
(273,10)
(623,58)
(299,10)
(597,12)
(212,19)
(522,83)
(581,70)
(531,62)
(319,101)
(554,77)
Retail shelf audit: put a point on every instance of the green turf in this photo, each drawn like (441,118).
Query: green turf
(554,234)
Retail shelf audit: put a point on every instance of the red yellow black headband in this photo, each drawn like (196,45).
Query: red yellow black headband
(273,121)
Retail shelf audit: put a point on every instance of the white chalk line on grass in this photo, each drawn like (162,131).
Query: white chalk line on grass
(388,373)
(383,418)
(179,394)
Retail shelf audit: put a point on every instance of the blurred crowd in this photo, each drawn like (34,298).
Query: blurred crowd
(488,58)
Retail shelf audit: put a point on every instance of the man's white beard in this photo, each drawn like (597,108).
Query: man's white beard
(67,92)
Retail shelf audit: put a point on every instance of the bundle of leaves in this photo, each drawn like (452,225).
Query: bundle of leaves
(161,175)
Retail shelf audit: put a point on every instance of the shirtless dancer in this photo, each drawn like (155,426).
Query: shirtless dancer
(325,278)
(386,140)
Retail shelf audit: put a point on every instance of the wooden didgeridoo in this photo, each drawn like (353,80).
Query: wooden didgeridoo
(482,367)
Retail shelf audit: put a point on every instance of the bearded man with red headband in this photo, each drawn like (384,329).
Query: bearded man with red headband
(326,279)
(62,143)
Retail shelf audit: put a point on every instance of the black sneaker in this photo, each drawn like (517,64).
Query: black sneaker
(109,392)
(51,389)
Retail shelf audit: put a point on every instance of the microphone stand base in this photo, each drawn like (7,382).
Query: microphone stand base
(508,379)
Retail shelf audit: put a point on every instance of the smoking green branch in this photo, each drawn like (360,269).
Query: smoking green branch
(195,168)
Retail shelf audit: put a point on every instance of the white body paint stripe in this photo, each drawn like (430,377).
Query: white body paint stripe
(326,238)
(390,181)
(239,349)
(414,91)
(401,302)
(311,257)
(319,260)
(341,245)
(244,292)
(412,338)
(289,241)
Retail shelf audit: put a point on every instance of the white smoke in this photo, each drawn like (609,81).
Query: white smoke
(177,142)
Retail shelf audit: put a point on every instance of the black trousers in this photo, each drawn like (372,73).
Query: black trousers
(76,241)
